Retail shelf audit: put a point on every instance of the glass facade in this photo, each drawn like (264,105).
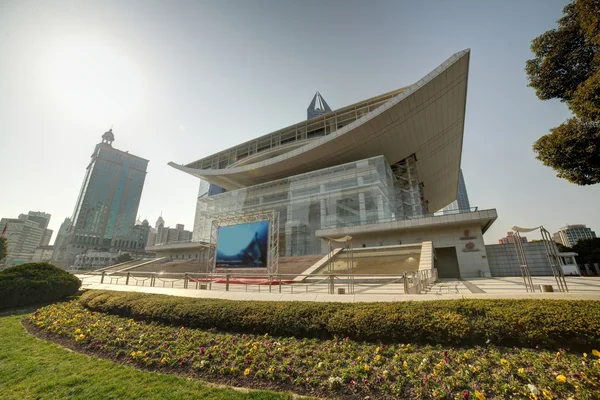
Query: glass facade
(462,201)
(356,193)
(109,198)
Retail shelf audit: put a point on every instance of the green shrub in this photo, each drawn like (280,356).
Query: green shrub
(526,323)
(35,283)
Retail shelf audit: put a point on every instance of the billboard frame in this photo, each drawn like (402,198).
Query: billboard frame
(273,243)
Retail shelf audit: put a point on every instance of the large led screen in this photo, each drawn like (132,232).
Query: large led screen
(243,245)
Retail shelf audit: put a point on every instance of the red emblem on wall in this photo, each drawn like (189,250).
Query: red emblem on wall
(470,246)
(466,232)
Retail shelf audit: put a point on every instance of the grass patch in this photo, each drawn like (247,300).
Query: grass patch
(550,324)
(31,368)
(338,367)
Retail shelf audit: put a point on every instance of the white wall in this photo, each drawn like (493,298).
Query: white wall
(470,262)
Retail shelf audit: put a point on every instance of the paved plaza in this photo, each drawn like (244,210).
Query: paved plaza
(580,288)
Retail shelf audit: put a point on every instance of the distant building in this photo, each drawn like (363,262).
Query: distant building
(105,211)
(509,238)
(60,236)
(42,254)
(568,235)
(24,235)
(462,201)
(166,235)
(318,106)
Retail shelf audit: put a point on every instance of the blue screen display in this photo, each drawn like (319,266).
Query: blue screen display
(243,245)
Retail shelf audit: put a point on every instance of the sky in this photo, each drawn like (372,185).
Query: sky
(180,80)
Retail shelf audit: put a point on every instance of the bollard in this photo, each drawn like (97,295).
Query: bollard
(405,284)
(270,280)
(331,285)
(127,280)
(279,280)
(102,278)
(185,281)
(226,282)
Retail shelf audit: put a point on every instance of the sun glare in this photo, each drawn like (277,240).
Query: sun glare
(93,79)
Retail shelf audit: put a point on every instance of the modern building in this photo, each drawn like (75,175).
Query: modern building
(24,234)
(60,236)
(107,205)
(510,238)
(568,235)
(167,235)
(462,202)
(317,107)
(42,254)
(374,170)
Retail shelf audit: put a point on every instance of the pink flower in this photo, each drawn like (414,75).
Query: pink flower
(202,350)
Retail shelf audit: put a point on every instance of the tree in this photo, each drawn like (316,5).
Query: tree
(588,251)
(123,258)
(3,247)
(566,66)
(563,249)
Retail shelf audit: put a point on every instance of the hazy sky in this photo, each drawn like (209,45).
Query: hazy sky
(180,80)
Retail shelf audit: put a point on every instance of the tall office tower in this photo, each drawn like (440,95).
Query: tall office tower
(318,106)
(24,235)
(107,205)
(60,236)
(462,201)
(569,235)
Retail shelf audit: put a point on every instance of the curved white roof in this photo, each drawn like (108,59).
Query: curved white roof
(425,119)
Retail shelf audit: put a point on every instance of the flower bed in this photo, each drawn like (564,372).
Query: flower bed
(334,367)
(544,323)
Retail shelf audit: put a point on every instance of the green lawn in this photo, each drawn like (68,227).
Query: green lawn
(31,368)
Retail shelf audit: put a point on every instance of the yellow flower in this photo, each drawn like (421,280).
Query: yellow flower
(247,372)
(271,370)
(377,350)
(503,361)
(358,358)
(584,355)
(532,396)
(377,357)
(547,394)
(521,370)
(561,378)
(405,364)
(558,354)
(77,331)
(596,353)
(367,368)
(479,395)
(266,335)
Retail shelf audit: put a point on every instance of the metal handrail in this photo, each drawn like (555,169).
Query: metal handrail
(414,282)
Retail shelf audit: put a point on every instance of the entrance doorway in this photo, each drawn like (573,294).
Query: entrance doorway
(446,262)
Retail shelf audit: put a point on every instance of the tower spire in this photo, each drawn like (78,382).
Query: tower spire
(318,106)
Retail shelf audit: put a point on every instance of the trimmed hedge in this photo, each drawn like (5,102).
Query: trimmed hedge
(526,323)
(35,283)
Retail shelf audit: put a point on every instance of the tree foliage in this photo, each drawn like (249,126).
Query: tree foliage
(3,247)
(566,66)
(588,251)
(573,150)
(123,258)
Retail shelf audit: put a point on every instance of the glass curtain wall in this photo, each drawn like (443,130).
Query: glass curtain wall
(356,193)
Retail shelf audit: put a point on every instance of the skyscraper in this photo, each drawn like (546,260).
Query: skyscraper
(462,201)
(107,205)
(24,235)
(318,106)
